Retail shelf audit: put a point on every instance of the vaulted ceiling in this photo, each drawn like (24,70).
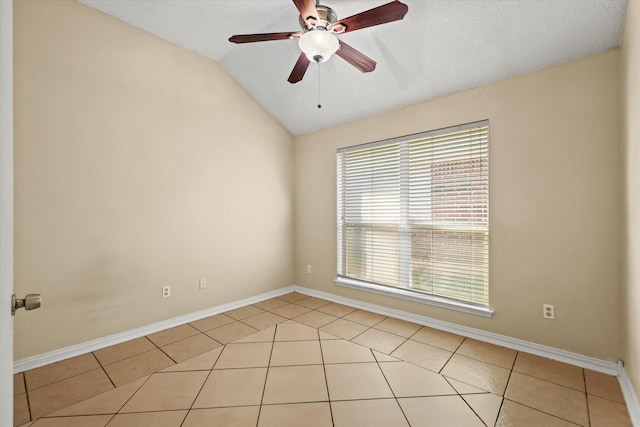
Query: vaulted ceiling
(441,47)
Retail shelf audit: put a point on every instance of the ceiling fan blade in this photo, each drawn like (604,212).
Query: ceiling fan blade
(251,38)
(389,12)
(308,11)
(356,58)
(299,69)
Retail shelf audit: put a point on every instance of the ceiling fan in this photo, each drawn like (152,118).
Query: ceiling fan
(320,27)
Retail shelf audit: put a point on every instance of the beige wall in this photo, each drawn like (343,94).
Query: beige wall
(138,164)
(631,148)
(555,202)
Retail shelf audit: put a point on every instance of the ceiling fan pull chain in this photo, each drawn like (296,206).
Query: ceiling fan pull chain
(319,104)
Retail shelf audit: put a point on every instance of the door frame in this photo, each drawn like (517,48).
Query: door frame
(6,212)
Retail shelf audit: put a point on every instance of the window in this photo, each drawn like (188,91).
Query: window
(413,217)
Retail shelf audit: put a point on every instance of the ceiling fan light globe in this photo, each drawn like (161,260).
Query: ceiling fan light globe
(318,44)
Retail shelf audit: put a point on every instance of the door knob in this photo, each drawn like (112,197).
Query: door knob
(29,302)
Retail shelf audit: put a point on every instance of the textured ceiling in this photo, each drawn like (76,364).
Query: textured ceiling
(441,47)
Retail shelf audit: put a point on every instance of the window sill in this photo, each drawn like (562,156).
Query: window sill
(414,296)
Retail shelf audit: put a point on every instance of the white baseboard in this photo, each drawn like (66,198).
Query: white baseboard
(630,397)
(93,345)
(592,363)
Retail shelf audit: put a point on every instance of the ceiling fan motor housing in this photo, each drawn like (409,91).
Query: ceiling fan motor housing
(326,16)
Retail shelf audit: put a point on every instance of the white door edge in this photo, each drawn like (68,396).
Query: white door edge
(6,212)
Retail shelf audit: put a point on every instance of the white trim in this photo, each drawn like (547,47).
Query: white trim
(97,344)
(629,393)
(587,362)
(6,211)
(414,296)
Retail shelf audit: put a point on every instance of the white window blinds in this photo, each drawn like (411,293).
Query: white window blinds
(413,213)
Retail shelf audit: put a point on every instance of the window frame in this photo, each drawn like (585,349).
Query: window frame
(403,291)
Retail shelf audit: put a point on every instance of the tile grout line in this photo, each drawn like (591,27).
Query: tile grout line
(228,324)
(180,340)
(122,360)
(326,381)
(127,401)
(314,310)
(503,398)
(449,359)
(163,352)
(504,393)
(63,379)
(357,335)
(175,362)
(359,399)
(586,395)
(103,370)
(484,361)
(264,387)
(231,320)
(561,385)
(134,393)
(26,393)
(473,410)
(544,412)
(390,388)
(125,358)
(459,345)
(398,346)
(253,327)
(203,384)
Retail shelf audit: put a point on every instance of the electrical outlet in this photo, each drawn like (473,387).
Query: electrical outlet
(548,311)
(308,268)
(166,291)
(203,283)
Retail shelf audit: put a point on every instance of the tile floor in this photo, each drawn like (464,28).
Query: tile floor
(302,361)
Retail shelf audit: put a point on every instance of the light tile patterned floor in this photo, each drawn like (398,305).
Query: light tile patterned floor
(302,361)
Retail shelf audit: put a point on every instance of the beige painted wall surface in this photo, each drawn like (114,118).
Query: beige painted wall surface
(631,148)
(138,164)
(555,202)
